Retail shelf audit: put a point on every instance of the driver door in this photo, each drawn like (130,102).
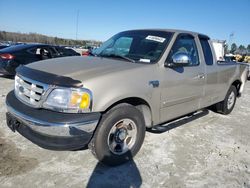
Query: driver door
(182,87)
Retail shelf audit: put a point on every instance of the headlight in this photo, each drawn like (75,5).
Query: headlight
(69,100)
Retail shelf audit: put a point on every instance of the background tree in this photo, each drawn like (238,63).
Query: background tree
(242,50)
(233,48)
(38,38)
(242,47)
(248,47)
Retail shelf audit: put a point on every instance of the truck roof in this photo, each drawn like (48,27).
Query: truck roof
(173,31)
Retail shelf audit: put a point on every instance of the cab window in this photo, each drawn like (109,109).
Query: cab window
(206,51)
(185,43)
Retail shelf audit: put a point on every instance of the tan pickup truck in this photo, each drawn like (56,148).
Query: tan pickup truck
(135,80)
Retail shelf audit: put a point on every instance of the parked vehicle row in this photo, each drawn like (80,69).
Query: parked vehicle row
(23,54)
(136,80)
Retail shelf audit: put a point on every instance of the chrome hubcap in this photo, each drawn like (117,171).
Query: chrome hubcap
(122,136)
(230,101)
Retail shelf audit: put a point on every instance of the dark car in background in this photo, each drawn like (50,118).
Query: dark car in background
(12,57)
(3,46)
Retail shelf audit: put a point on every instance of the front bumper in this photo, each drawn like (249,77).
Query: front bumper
(48,129)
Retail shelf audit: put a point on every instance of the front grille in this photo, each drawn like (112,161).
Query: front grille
(29,91)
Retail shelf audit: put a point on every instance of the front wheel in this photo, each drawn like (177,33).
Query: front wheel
(119,135)
(227,105)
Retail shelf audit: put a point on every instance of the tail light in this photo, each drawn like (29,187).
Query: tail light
(7,56)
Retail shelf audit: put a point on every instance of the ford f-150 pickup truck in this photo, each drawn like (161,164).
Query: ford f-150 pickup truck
(135,80)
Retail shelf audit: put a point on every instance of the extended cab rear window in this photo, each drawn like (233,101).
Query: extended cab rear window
(206,50)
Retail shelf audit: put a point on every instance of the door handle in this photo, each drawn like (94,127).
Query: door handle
(200,76)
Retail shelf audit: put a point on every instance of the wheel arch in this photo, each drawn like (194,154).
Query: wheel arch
(141,104)
(237,84)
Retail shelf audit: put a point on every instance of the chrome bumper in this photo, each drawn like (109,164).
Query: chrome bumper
(53,129)
(48,129)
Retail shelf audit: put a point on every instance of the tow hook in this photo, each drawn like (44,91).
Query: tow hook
(12,123)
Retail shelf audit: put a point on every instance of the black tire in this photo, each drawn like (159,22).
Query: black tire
(223,107)
(99,144)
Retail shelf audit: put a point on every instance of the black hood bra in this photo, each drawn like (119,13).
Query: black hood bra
(48,78)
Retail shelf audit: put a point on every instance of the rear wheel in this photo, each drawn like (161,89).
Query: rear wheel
(119,135)
(227,105)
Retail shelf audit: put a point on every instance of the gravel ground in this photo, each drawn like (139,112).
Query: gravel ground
(203,150)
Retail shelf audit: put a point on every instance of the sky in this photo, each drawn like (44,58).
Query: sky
(100,19)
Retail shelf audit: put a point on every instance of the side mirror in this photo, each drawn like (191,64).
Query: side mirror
(179,59)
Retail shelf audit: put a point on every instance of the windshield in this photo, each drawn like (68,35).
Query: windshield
(144,46)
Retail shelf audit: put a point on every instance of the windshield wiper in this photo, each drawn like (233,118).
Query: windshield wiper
(117,56)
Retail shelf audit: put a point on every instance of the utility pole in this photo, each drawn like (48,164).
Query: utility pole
(77,18)
(230,40)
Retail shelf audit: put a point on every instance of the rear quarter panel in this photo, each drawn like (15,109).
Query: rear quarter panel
(229,72)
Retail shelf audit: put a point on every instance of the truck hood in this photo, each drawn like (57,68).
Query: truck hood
(82,68)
